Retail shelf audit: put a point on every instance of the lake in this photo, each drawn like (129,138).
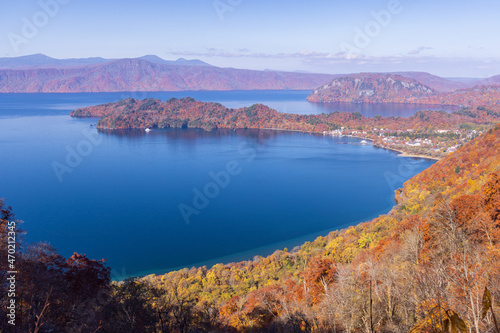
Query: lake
(286,101)
(157,201)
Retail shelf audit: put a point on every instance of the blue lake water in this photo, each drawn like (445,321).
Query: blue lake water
(286,101)
(152,202)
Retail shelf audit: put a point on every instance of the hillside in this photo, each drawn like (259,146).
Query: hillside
(433,81)
(150,75)
(371,88)
(492,80)
(475,96)
(383,88)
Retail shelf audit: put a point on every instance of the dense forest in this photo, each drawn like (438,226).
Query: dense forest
(432,264)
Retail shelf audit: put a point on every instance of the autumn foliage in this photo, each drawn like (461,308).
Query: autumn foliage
(422,267)
(189,113)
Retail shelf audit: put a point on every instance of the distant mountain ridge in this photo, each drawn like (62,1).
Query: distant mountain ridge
(147,74)
(435,82)
(178,62)
(40,73)
(481,95)
(42,61)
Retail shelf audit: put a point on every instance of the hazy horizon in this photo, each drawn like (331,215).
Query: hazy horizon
(266,69)
(445,39)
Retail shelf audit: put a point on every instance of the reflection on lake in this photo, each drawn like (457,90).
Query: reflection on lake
(381,109)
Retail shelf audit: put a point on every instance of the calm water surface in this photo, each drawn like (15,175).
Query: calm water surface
(134,197)
(287,101)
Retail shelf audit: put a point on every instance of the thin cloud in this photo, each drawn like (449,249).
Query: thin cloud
(316,58)
(308,57)
(211,52)
(419,50)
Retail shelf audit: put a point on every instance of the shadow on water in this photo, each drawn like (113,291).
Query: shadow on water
(194,134)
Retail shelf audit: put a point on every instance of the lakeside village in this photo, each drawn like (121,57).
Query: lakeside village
(434,144)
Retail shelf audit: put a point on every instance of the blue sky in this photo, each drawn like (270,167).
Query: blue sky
(448,38)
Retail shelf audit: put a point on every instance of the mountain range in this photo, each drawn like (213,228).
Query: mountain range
(40,73)
(42,61)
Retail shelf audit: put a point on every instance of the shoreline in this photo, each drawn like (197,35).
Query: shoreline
(419,156)
(248,255)
(401,152)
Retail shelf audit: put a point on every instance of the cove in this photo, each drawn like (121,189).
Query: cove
(121,200)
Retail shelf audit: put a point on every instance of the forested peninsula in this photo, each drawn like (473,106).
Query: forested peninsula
(427,133)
